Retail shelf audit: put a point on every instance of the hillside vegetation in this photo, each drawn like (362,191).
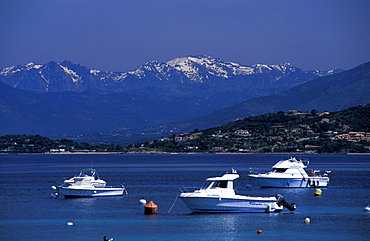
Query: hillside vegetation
(346,131)
(294,131)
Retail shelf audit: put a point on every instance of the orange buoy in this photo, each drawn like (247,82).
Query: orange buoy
(151,208)
(259,231)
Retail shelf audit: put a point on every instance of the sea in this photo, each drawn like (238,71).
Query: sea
(27,211)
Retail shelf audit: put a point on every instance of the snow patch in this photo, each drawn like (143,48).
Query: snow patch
(9,70)
(120,77)
(13,69)
(190,67)
(43,77)
(74,76)
(95,71)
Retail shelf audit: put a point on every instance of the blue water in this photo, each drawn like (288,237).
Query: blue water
(28,213)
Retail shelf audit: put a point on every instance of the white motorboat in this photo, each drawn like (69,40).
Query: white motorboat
(218,195)
(86,174)
(88,184)
(291,173)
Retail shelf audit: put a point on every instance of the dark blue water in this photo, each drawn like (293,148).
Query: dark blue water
(28,213)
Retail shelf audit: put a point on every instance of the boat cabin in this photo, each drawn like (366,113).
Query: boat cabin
(224,184)
(89,173)
(86,177)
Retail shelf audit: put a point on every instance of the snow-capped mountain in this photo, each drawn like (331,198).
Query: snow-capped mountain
(198,76)
(202,67)
(61,100)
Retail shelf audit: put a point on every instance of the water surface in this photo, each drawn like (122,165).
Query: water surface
(28,213)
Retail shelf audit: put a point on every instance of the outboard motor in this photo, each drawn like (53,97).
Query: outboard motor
(281,201)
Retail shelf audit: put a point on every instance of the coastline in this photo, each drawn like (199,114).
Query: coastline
(178,153)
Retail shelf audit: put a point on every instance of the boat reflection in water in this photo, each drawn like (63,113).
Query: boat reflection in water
(218,195)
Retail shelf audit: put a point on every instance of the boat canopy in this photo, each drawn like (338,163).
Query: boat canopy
(225,177)
(226,181)
(290,163)
(89,172)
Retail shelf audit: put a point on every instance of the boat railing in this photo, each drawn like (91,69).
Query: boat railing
(254,171)
(305,162)
(122,185)
(317,173)
(188,189)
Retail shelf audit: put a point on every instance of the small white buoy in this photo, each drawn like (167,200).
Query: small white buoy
(70,223)
(142,201)
(307,220)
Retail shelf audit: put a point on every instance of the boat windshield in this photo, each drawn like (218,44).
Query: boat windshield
(206,185)
(215,184)
(220,184)
(88,173)
(280,169)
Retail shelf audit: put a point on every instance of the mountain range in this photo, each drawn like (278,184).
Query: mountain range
(66,99)
(199,77)
(329,93)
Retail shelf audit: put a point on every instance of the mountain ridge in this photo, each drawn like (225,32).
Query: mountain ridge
(66,76)
(330,93)
(353,84)
(159,100)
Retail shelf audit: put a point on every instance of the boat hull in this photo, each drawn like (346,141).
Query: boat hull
(68,192)
(291,182)
(231,205)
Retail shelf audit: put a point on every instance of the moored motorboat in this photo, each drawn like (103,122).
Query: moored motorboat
(218,195)
(88,184)
(86,174)
(291,173)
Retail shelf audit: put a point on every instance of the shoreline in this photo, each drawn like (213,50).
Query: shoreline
(177,153)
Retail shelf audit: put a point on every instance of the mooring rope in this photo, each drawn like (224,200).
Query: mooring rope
(173,204)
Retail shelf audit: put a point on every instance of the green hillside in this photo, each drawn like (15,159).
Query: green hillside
(293,131)
(330,93)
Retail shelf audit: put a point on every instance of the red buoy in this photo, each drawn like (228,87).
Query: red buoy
(259,231)
(151,208)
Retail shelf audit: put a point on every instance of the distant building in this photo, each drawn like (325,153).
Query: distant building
(57,150)
(217,148)
(192,147)
(325,113)
(353,136)
(275,138)
(242,133)
(295,112)
(325,120)
(178,138)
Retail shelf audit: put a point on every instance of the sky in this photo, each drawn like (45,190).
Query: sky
(121,35)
